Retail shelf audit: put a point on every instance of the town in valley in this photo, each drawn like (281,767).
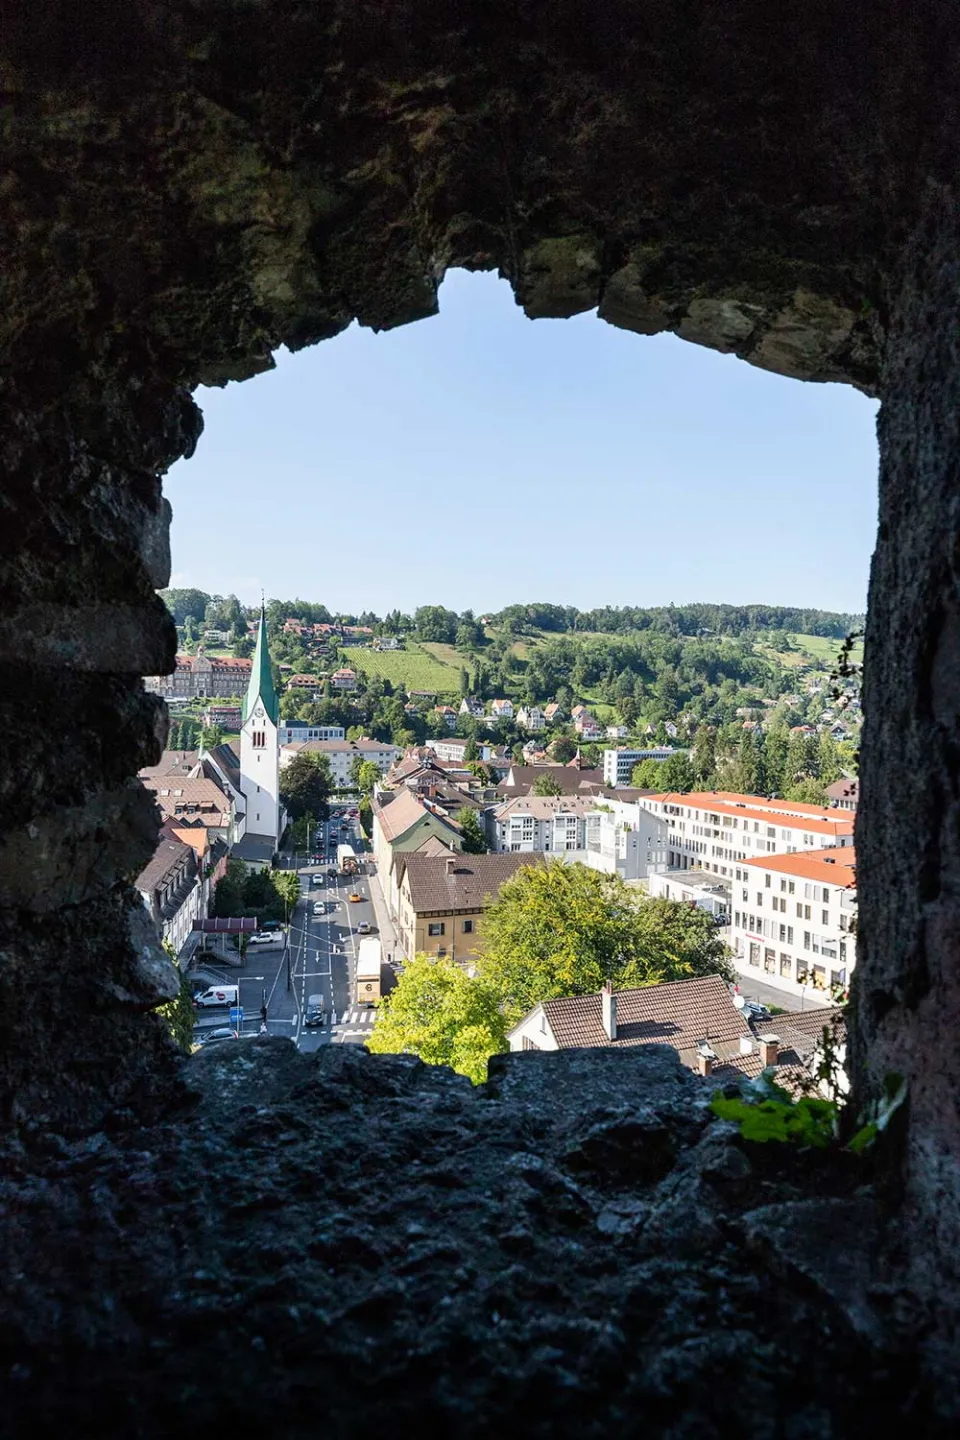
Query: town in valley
(353,808)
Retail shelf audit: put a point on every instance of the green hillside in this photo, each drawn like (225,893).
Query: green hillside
(414,668)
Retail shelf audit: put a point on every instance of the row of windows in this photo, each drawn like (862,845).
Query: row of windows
(438,927)
(818,944)
(816,975)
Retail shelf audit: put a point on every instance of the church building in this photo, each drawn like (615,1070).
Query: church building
(260,761)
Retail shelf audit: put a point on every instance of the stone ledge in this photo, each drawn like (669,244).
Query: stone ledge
(346,1242)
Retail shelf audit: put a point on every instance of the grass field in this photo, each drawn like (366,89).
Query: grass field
(413,668)
(825,648)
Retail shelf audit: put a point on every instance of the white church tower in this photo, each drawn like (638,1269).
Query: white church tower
(260,757)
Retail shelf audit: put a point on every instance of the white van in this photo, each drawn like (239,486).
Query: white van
(218,995)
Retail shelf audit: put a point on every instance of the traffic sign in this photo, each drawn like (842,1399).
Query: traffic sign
(236,1015)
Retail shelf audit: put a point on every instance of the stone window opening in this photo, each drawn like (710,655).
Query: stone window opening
(840,278)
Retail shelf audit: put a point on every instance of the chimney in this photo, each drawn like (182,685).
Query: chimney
(451,864)
(769,1045)
(608,1011)
(705,1057)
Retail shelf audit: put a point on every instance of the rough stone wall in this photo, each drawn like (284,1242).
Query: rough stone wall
(908,831)
(185,187)
(347,1244)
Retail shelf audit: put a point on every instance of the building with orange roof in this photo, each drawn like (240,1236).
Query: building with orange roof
(794,921)
(713,829)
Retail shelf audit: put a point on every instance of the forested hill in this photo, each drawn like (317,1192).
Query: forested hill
(698,619)
(436,623)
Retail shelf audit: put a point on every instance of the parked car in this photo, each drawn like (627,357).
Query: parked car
(315,1015)
(364,928)
(753,1010)
(217,995)
(271,924)
(265,937)
(213,1037)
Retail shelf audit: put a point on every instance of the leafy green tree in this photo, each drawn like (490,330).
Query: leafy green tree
(211,736)
(546,785)
(305,784)
(829,767)
(471,750)
(178,1013)
(563,750)
(704,755)
(809,791)
(648,775)
(228,897)
(243,647)
(367,777)
(561,929)
(438,1012)
(184,603)
(469,636)
(473,840)
(677,773)
(287,885)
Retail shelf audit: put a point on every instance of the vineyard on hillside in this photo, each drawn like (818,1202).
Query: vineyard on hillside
(412,668)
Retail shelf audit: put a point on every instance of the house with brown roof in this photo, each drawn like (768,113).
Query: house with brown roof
(196,802)
(402,821)
(698,1018)
(172,889)
(844,794)
(572,779)
(440,899)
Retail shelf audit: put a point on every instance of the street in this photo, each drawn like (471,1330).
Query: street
(321,959)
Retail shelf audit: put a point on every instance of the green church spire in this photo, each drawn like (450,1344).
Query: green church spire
(261,677)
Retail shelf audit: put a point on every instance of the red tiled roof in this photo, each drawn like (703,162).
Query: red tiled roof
(800,816)
(828,867)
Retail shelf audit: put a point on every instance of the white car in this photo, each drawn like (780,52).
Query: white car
(319,908)
(266,937)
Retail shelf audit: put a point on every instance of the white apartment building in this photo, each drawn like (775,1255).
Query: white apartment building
(618,764)
(633,847)
(552,823)
(454,749)
(712,830)
(342,754)
(292,730)
(794,920)
(694,887)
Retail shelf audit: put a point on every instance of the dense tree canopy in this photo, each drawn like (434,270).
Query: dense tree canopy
(561,929)
(438,1012)
(472,839)
(305,785)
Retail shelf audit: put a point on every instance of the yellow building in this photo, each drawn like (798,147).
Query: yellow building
(442,897)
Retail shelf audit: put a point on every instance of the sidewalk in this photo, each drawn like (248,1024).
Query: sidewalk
(811,999)
(389,944)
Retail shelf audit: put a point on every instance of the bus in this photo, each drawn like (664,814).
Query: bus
(368,972)
(346,860)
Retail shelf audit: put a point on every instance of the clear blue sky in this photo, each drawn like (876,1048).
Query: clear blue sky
(477,459)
